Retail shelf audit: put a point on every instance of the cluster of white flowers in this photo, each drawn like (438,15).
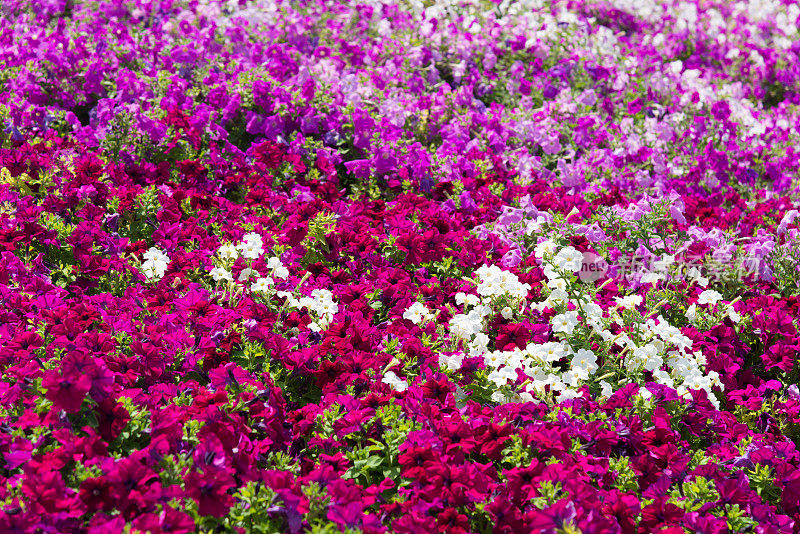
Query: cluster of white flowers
(451,361)
(155,264)
(496,288)
(565,322)
(228,252)
(628,302)
(602,348)
(545,248)
(568,259)
(252,246)
(469,300)
(464,326)
(663,350)
(278,269)
(688,366)
(558,266)
(262,284)
(709,296)
(417,313)
(495,282)
(646,345)
(541,363)
(320,303)
(247,273)
(220,273)
(712,308)
(658,348)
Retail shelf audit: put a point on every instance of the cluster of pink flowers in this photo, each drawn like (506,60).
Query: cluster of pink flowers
(319,266)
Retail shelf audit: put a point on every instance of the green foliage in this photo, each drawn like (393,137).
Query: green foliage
(114,282)
(625,479)
(251,512)
(694,493)
(37,185)
(75,473)
(251,355)
(315,242)
(549,493)
(785,263)
(136,434)
(516,453)
(762,480)
(123,136)
(377,459)
(480,389)
(173,467)
(627,236)
(739,520)
(136,224)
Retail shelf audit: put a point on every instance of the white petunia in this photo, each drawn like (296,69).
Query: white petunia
(694,274)
(568,394)
(500,397)
(733,314)
(394,381)
(557,282)
(246,273)
(585,360)
(278,269)
(535,226)
(663,378)
(253,238)
(691,313)
(262,284)
(651,277)
(568,259)
(709,296)
(156,263)
(546,247)
(154,269)
(321,294)
(451,361)
(494,359)
(593,312)
(630,302)
(251,251)
(327,307)
(551,352)
(154,253)
(479,345)
(228,252)
(219,274)
(573,377)
(463,326)
(469,300)
(501,376)
(565,322)
(556,297)
(417,313)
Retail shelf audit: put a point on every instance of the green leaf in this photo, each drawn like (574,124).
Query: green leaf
(373,461)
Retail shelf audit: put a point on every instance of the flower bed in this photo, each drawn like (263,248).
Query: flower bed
(421,267)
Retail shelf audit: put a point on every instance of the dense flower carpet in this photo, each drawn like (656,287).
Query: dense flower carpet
(320,266)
